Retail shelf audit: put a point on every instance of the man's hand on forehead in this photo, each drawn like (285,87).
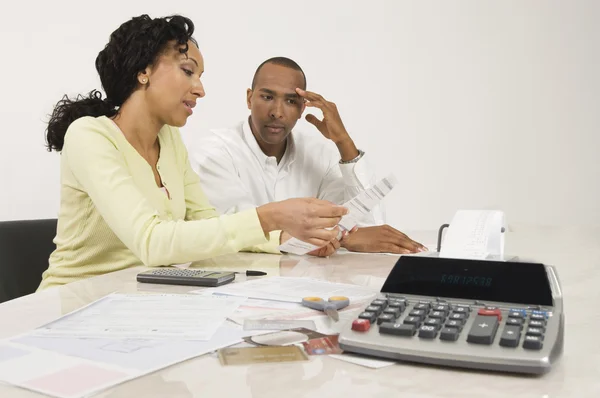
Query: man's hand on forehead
(331,126)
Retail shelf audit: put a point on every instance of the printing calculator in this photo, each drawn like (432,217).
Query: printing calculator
(491,315)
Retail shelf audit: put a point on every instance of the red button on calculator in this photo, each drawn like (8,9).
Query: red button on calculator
(361,325)
(495,312)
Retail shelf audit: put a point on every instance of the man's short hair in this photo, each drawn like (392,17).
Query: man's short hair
(282,61)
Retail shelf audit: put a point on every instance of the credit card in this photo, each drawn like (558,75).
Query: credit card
(266,354)
(322,346)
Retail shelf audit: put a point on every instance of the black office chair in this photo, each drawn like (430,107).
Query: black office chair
(25,247)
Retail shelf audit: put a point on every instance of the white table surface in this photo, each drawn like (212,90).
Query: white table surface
(574,251)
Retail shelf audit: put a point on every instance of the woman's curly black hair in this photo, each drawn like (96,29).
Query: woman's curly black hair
(136,44)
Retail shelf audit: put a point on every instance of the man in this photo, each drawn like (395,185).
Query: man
(260,160)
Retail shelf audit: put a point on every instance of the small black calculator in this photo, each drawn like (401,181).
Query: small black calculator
(193,277)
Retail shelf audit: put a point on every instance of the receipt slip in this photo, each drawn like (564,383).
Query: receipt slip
(475,234)
(262,354)
(358,207)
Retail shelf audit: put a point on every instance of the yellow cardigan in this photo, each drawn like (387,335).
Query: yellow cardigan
(113,215)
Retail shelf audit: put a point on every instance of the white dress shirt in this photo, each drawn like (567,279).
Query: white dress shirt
(236,174)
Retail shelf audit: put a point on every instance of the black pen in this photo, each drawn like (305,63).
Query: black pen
(250,273)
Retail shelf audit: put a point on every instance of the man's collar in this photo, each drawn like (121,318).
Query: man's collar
(253,144)
(290,149)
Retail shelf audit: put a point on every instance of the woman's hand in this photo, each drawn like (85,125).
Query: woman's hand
(308,219)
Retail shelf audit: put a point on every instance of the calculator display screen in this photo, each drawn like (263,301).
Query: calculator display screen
(511,282)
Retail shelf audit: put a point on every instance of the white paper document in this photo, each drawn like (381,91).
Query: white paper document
(260,305)
(291,289)
(363,361)
(278,324)
(151,316)
(358,207)
(475,234)
(138,355)
(69,367)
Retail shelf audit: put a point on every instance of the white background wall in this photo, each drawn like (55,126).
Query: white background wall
(472,104)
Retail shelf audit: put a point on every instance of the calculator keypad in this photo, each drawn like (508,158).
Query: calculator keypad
(425,319)
(439,320)
(178,272)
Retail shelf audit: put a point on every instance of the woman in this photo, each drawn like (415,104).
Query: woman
(128,193)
